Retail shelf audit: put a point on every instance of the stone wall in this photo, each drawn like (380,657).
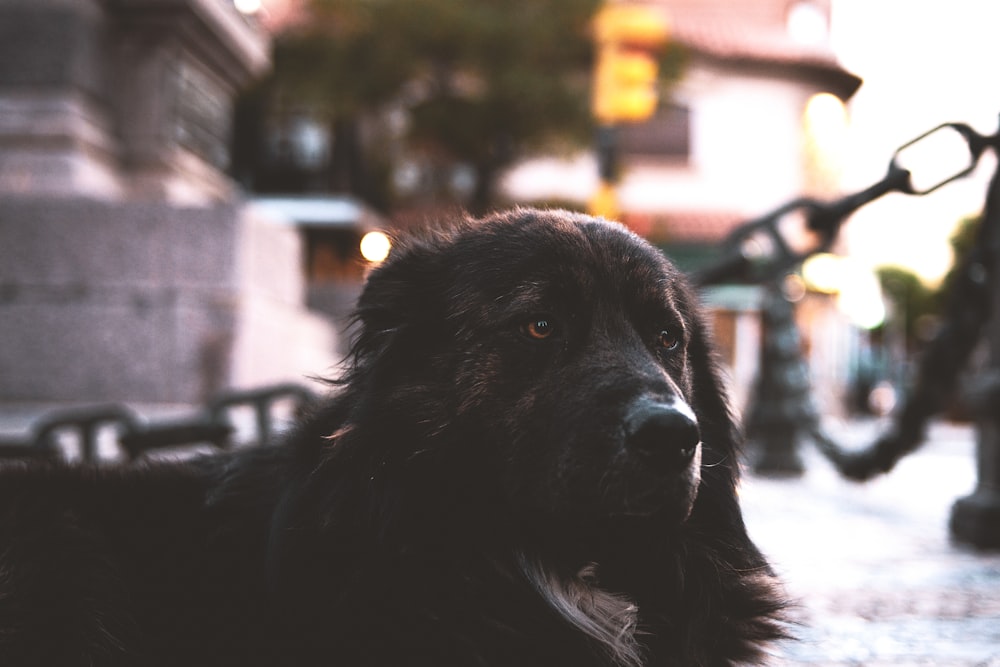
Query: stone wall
(147,302)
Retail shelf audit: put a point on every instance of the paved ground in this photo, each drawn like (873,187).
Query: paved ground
(877,578)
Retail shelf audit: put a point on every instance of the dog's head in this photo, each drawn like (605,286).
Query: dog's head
(560,355)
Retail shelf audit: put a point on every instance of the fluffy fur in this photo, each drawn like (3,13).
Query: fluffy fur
(530,462)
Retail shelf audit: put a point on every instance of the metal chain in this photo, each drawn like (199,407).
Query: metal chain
(967,308)
(761,250)
(967,311)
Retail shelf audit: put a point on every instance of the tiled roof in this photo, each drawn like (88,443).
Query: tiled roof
(685,226)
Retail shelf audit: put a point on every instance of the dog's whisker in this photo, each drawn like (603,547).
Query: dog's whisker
(719,463)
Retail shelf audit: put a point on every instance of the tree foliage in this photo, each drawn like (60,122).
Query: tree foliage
(911,299)
(962,240)
(480,81)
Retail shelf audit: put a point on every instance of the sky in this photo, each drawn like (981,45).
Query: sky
(924,62)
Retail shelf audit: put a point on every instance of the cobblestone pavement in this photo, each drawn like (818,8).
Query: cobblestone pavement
(876,578)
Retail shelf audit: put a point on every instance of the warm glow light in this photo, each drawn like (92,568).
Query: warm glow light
(248,6)
(860,299)
(822,273)
(826,126)
(825,112)
(859,295)
(375,246)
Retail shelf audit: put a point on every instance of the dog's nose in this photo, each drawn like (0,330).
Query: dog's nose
(666,434)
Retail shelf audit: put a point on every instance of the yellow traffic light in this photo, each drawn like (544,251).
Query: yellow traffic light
(625,85)
(625,79)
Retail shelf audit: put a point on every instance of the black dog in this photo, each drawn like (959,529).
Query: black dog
(530,462)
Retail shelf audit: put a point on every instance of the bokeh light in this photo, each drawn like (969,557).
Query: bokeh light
(375,246)
(248,6)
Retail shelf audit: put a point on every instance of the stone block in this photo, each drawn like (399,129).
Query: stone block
(122,98)
(51,43)
(146,302)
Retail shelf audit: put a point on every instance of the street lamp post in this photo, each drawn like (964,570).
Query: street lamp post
(626,75)
(782,409)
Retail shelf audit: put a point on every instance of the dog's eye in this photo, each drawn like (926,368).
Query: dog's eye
(667,340)
(539,328)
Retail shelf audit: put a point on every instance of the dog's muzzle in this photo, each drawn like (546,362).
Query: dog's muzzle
(664,434)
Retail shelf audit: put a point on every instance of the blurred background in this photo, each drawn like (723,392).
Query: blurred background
(186,183)
(191,193)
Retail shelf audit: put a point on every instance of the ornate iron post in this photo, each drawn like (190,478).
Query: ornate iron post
(975,519)
(782,410)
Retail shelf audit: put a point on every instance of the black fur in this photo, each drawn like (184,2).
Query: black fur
(483,489)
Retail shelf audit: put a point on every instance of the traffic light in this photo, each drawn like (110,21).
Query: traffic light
(625,77)
(625,85)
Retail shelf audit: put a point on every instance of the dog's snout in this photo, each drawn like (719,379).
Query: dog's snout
(664,433)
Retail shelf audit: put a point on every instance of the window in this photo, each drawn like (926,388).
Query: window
(667,135)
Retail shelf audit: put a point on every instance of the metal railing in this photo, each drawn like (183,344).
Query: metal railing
(134,437)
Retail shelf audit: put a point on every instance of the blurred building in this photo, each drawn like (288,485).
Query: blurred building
(753,121)
(335,231)
(130,268)
(732,138)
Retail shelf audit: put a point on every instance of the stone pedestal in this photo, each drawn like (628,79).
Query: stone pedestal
(121,98)
(129,268)
(148,302)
